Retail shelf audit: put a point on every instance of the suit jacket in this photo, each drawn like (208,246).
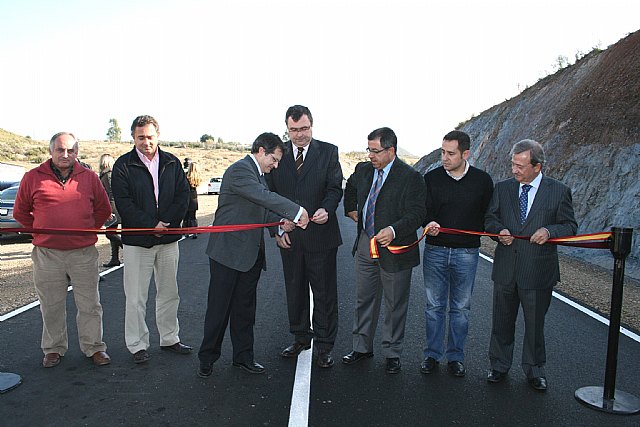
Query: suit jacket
(400,204)
(319,185)
(531,266)
(245,199)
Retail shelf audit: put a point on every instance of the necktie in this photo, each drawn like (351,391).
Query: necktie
(371,206)
(299,160)
(524,201)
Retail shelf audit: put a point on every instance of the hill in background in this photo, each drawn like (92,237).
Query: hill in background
(587,116)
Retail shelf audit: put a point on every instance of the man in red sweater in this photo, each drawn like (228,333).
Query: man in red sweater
(61,193)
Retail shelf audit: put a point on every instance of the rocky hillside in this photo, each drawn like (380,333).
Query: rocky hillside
(587,116)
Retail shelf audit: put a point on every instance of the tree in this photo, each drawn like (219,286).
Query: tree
(206,138)
(114,133)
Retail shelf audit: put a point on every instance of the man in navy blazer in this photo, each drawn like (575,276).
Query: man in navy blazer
(237,258)
(386,197)
(525,271)
(310,175)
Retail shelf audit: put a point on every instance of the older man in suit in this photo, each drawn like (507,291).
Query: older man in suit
(386,197)
(310,175)
(525,272)
(237,258)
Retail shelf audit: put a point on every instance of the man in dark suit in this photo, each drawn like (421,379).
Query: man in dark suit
(310,175)
(386,197)
(525,272)
(237,258)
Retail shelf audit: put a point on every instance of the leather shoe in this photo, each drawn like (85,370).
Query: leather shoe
(295,349)
(496,376)
(178,348)
(205,369)
(50,360)
(325,360)
(251,367)
(100,358)
(393,365)
(456,368)
(428,365)
(141,356)
(538,383)
(355,356)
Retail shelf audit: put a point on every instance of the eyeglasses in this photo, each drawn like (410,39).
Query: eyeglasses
(299,130)
(371,150)
(273,159)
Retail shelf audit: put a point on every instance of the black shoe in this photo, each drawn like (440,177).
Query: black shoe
(496,376)
(538,383)
(456,368)
(295,349)
(205,369)
(393,365)
(355,356)
(428,365)
(325,360)
(178,348)
(141,356)
(112,263)
(251,367)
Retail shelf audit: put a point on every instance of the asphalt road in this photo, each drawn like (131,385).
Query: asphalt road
(166,391)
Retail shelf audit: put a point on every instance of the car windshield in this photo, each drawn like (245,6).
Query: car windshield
(8,195)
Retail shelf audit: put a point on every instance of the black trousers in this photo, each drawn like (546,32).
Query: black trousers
(231,301)
(318,270)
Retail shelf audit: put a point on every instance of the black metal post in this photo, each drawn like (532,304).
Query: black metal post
(608,399)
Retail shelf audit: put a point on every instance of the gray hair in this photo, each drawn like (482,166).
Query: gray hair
(52,142)
(537,152)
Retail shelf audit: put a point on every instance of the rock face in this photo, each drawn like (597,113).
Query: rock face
(587,116)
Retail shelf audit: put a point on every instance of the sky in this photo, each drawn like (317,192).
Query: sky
(230,69)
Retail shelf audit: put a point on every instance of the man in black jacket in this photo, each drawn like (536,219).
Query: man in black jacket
(150,191)
(386,197)
(310,174)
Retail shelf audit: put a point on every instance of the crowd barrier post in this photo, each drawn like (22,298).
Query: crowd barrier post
(607,398)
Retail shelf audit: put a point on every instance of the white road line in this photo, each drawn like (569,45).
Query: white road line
(299,409)
(584,310)
(37,303)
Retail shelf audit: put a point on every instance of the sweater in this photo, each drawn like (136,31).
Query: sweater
(44,202)
(457,204)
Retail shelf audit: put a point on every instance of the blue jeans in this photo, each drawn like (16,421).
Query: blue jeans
(449,274)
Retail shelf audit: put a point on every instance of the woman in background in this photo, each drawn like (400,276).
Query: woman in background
(194,179)
(106,163)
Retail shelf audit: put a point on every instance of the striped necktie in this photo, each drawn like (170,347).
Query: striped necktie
(523,202)
(371,206)
(299,159)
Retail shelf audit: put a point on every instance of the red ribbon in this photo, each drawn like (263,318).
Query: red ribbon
(140,231)
(593,240)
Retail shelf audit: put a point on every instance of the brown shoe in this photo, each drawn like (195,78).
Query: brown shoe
(100,358)
(50,360)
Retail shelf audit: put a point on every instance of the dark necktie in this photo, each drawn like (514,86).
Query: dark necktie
(299,160)
(371,206)
(524,201)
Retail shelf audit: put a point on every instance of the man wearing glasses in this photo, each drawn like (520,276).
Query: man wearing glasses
(386,197)
(310,175)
